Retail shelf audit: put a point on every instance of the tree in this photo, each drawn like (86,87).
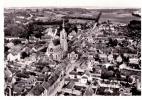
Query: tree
(134,30)
(6,49)
(125,43)
(16,41)
(14,30)
(24,54)
(38,35)
(135,91)
(107,74)
(37,31)
(112,42)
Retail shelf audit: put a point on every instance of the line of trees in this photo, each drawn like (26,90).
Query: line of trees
(23,31)
(134,30)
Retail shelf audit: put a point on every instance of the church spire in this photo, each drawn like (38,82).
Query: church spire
(63,25)
(63,38)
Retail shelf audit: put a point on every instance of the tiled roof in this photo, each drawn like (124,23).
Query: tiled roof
(37,90)
(16,49)
(51,81)
(73,73)
(56,42)
(89,92)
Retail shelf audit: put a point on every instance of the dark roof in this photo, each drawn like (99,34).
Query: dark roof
(124,50)
(37,90)
(89,92)
(45,69)
(43,49)
(107,74)
(70,85)
(51,81)
(56,42)
(16,49)
(73,73)
(18,87)
(75,80)
(46,85)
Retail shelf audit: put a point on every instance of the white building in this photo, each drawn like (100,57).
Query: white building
(63,39)
(11,57)
(73,56)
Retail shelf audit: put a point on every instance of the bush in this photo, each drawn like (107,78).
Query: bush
(16,41)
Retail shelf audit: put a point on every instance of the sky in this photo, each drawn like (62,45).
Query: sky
(74,3)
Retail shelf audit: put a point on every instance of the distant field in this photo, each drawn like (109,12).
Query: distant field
(114,15)
(118,17)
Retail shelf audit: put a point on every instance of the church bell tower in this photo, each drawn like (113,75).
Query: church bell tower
(63,38)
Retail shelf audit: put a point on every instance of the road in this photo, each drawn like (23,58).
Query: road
(70,67)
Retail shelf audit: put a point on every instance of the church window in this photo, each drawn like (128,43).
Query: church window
(63,37)
(56,56)
(51,56)
(51,49)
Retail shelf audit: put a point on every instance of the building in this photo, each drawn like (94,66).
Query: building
(71,35)
(58,45)
(54,50)
(11,57)
(73,56)
(63,39)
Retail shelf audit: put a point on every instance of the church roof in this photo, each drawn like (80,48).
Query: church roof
(56,42)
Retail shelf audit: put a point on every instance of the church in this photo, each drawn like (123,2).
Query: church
(58,46)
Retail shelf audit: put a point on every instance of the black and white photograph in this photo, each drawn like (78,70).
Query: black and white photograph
(72,51)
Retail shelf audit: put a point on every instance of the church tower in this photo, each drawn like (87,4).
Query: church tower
(63,38)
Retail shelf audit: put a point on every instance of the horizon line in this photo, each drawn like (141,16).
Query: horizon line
(83,7)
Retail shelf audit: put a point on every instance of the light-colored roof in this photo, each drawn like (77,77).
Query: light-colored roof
(10,45)
(16,49)
(134,60)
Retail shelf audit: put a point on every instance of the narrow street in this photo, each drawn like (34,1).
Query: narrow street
(70,67)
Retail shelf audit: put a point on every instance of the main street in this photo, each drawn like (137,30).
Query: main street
(66,70)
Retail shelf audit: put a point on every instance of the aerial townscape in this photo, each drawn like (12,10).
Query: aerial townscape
(72,52)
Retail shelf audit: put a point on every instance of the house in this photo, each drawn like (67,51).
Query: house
(14,53)
(138,84)
(52,83)
(31,80)
(110,57)
(134,61)
(72,92)
(18,88)
(89,91)
(10,45)
(70,85)
(73,75)
(71,35)
(106,65)
(122,66)
(80,70)
(11,57)
(85,78)
(36,90)
(90,64)
(103,57)
(72,56)
(119,59)
(7,72)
